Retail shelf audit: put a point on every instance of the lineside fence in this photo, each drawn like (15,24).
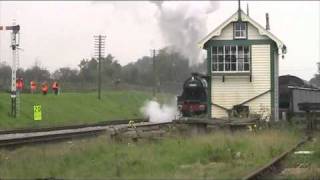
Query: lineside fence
(86,87)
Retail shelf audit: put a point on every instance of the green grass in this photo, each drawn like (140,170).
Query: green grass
(73,108)
(219,155)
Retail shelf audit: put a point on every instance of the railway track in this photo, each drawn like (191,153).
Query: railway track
(17,137)
(271,166)
(103,123)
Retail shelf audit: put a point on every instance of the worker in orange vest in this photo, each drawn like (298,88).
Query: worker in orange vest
(33,86)
(44,88)
(19,84)
(55,87)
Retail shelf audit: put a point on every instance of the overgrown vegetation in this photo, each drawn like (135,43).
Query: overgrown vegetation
(303,166)
(73,108)
(219,156)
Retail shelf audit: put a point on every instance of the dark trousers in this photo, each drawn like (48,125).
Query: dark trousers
(55,90)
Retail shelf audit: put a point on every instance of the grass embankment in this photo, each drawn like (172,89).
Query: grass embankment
(72,108)
(303,166)
(219,156)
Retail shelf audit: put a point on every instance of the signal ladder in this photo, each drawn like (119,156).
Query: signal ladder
(18,97)
(15,38)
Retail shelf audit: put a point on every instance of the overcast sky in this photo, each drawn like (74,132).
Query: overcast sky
(61,33)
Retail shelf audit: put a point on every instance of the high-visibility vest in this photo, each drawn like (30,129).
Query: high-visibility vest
(19,84)
(54,85)
(44,87)
(33,85)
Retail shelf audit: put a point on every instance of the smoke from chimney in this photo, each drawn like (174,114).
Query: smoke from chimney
(183,24)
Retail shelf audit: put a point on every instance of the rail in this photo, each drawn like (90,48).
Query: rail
(26,136)
(258,173)
(103,123)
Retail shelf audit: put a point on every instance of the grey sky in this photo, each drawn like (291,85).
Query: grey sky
(61,33)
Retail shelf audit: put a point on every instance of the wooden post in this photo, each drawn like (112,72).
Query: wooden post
(99,68)
(309,108)
(308,123)
(154,72)
(99,53)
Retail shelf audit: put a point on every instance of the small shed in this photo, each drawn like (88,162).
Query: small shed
(285,93)
(302,95)
(242,58)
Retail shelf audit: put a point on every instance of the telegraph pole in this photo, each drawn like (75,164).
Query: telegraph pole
(99,53)
(154,72)
(15,37)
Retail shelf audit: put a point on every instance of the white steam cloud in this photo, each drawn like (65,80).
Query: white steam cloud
(159,113)
(184,24)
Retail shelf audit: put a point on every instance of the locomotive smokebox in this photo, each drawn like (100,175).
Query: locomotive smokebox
(193,100)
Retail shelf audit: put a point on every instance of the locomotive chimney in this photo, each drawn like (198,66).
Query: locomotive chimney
(267,22)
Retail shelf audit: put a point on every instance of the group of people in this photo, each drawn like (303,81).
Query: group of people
(33,86)
(45,87)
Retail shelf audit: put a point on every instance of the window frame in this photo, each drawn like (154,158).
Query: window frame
(244,30)
(246,59)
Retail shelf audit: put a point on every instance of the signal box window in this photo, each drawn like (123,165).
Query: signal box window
(240,30)
(230,58)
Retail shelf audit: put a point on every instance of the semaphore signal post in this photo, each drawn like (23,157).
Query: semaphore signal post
(15,39)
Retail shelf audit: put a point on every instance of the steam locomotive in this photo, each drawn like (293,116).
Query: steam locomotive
(193,100)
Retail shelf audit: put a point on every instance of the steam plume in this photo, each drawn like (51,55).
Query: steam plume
(159,113)
(183,24)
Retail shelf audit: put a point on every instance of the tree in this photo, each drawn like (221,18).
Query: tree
(315,81)
(37,74)
(5,76)
(111,69)
(171,70)
(88,70)
(66,74)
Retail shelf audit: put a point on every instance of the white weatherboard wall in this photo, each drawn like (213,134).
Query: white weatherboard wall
(237,89)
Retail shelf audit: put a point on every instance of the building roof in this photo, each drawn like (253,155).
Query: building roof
(244,17)
(294,81)
(304,88)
